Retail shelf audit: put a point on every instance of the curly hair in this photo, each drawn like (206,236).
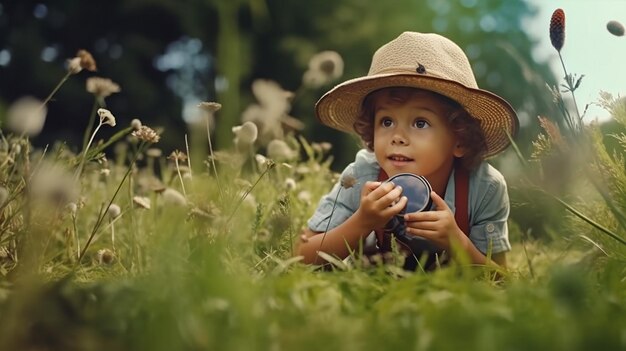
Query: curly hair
(466,128)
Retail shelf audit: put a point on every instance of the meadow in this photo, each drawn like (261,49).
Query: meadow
(124,246)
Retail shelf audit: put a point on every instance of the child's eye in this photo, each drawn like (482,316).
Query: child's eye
(386,122)
(420,124)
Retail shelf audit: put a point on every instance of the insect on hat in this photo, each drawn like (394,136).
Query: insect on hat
(427,61)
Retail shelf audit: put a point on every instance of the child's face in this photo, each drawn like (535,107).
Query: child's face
(414,136)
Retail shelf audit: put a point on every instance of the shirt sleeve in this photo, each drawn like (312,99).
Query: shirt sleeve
(340,203)
(489,230)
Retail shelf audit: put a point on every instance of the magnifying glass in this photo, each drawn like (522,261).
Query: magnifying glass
(417,190)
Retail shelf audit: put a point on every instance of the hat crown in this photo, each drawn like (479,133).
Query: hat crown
(438,56)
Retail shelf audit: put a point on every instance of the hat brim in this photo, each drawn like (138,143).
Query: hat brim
(340,107)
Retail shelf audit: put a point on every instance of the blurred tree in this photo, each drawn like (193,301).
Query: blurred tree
(168,56)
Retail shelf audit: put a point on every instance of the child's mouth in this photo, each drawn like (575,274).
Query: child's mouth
(399,160)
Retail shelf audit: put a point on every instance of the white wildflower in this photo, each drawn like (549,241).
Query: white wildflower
(101,87)
(348,181)
(304,196)
(268,114)
(106,117)
(246,133)
(73,65)
(279,150)
(26,116)
(173,197)
(142,201)
(261,161)
(114,211)
(135,123)
(290,184)
(72,207)
(324,68)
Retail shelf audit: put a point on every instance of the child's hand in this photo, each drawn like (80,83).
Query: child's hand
(437,226)
(379,203)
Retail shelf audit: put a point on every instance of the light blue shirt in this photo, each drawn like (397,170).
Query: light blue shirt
(488,202)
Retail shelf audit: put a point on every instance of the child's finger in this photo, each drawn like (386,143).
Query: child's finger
(440,203)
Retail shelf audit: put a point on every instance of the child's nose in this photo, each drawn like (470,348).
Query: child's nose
(399,139)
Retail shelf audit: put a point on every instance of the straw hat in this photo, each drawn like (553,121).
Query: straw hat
(426,61)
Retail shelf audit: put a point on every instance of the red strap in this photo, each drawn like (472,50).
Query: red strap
(461,198)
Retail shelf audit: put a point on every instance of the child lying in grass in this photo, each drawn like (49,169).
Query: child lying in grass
(420,111)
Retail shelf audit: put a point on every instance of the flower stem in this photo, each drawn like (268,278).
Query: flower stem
(92,120)
(248,192)
(217,179)
(328,224)
(104,211)
(571,89)
(79,170)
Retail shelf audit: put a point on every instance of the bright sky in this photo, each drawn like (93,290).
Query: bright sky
(589,48)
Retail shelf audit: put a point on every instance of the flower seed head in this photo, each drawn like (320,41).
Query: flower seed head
(146,134)
(73,65)
(101,87)
(105,256)
(142,202)
(557,29)
(27,116)
(173,197)
(114,211)
(86,60)
(290,184)
(106,117)
(210,106)
(279,150)
(72,207)
(324,67)
(135,123)
(348,181)
(246,133)
(615,28)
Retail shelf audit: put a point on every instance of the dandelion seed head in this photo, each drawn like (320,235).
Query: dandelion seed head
(615,28)
(557,29)
(114,211)
(348,181)
(305,196)
(53,182)
(210,107)
(73,65)
(106,117)
(135,123)
(173,197)
(261,161)
(146,134)
(101,87)
(246,133)
(27,116)
(72,208)
(142,202)
(290,184)
(105,256)
(324,67)
(279,150)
